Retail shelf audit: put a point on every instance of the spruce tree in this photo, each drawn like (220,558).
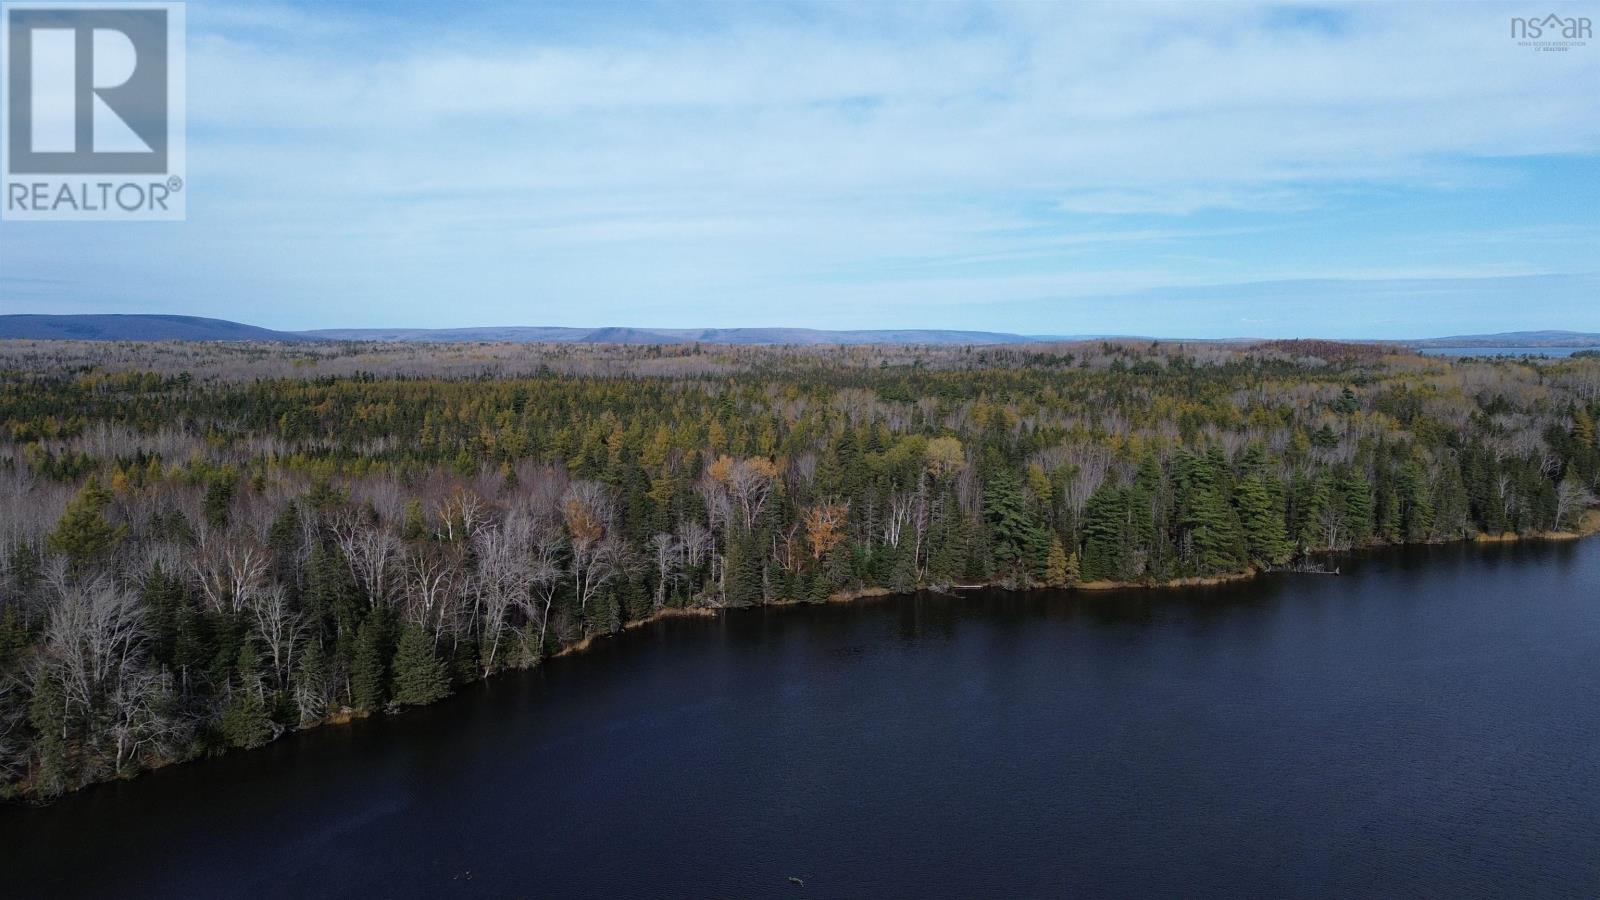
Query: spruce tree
(83,535)
(13,635)
(1416,506)
(1355,493)
(415,527)
(245,720)
(1019,545)
(1261,511)
(1056,572)
(419,675)
(311,683)
(367,670)
(1105,532)
(1212,526)
(47,714)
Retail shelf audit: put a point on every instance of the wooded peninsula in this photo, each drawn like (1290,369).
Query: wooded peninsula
(205,546)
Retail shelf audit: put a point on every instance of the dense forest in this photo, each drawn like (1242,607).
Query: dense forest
(205,546)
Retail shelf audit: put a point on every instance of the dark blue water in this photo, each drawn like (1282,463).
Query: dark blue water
(1426,725)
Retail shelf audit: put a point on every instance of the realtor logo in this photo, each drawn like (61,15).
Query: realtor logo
(1552,33)
(93,113)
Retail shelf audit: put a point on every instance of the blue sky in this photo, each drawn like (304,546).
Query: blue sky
(1202,170)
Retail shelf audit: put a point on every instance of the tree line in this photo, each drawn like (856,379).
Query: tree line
(203,558)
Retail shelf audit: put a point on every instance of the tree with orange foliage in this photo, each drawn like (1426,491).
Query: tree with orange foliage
(825,524)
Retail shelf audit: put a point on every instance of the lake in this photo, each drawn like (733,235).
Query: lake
(1427,724)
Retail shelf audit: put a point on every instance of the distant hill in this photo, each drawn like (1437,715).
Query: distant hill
(619,335)
(1514,339)
(192,328)
(135,328)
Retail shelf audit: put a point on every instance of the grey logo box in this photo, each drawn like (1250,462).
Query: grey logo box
(140,101)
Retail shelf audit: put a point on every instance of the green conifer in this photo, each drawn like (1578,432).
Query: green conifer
(419,675)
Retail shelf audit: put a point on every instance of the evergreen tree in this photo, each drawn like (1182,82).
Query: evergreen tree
(414,527)
(1057,566)
(367,672)
(24,568)
(419,675)
(83,535)
(1209,521)
(219,498)
(1583,429)
(1355,493)
(245,720)
(47,714)
(1019,545)
(13,635)
(1416,506)
(1260,505)
(311,683)
(1317,497)
(1106,548)
(284,540)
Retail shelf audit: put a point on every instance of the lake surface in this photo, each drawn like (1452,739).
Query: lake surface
(1426,725)
(1550,352)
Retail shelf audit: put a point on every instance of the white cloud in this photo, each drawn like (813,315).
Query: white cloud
(759,150)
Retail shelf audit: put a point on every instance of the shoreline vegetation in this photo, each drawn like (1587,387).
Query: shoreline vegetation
(1589,526)
(348,716)
(206,547)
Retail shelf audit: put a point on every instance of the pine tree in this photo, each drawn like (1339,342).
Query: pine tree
(47,715)
(1148,514)
(415,526)
(367,675)
(1105,536)
(419,675)
(219,498)
(1316,497)
(1583,429)
(1019,545)
(24,568)
(13,635)
(1355,493)
(245,721)
(83,535)
(1057,566)
(284,540)
(1207,518)
(1261,511)
(311,683)
(744,568)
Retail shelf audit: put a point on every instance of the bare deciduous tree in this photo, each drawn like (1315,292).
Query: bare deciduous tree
(1571,497)
(229,569)
(280,627)
(502,581)
(371,550)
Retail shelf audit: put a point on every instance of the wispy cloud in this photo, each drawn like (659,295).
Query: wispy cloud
(623,163)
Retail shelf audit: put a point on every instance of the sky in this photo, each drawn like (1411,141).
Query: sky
(1193,170)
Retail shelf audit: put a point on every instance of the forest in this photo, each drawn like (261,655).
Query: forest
(204,547)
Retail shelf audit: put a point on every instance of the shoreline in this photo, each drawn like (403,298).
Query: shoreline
(1588,526)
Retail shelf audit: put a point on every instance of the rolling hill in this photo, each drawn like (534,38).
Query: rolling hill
(136,328)
(622,335)
(193,328)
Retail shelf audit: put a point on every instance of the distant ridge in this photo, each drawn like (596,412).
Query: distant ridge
(135,328)
(193,328)
(622,335)
(1512,339)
